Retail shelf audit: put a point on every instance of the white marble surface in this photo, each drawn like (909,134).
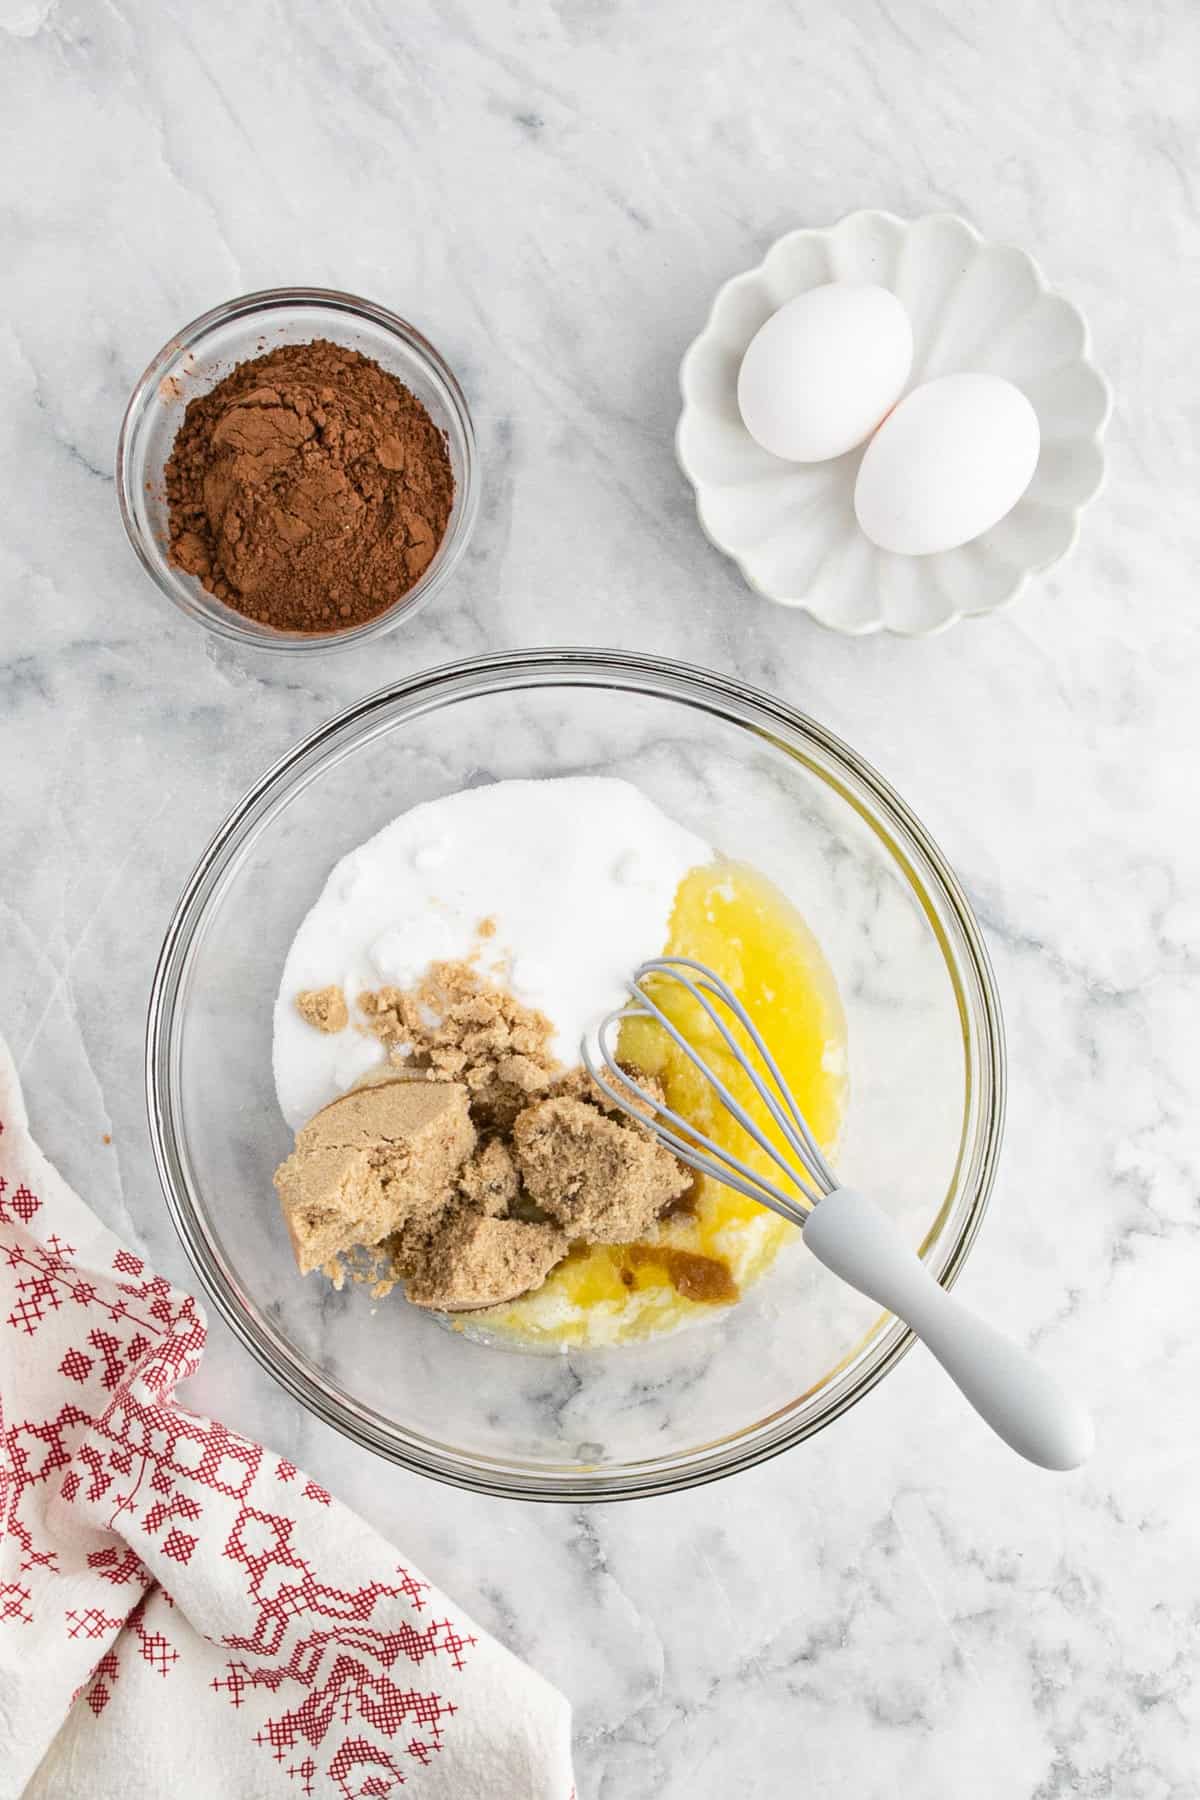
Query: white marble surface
(553,192)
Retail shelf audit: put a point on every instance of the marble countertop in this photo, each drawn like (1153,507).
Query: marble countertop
(553,191)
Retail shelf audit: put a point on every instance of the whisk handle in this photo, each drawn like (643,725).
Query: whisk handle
(1009,1390)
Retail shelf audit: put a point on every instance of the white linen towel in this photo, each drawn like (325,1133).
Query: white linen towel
(184,1613)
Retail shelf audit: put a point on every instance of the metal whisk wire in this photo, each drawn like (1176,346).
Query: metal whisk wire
(809,1174)
(845,1230)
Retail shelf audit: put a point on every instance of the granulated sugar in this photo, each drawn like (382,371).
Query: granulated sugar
(573,880)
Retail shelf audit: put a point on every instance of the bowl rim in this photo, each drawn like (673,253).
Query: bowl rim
(741,704)
(267,303)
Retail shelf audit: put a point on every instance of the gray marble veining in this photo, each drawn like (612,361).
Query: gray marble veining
(552,192)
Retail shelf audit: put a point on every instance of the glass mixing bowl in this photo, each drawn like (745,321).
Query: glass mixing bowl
(202,354)
(768,787)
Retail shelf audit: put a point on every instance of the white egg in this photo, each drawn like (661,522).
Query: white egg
(822,372)
(954,457)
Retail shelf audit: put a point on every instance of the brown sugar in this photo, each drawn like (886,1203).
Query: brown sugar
(686,1205)
(370,1162)
(489,1181)
(475,1260)
(458,1027)
(473,1206)
(323,1008)
(602,1179)
(309,489)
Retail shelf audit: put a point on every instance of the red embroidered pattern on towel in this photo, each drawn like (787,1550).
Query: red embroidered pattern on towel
(341,1697)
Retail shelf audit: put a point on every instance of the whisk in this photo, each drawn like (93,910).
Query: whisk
(844,1229)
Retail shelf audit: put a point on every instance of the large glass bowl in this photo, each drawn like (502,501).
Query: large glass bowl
(767,786)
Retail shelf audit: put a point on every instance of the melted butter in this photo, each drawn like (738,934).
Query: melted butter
(736,921)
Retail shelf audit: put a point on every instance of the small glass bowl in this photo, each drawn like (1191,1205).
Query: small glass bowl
(202,354)
(770,787)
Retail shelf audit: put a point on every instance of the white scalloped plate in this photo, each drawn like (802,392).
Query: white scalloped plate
(790,527)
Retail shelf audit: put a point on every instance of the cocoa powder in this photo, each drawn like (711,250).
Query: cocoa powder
(309,489)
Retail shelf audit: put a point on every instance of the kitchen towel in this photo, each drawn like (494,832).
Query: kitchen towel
(182,1612)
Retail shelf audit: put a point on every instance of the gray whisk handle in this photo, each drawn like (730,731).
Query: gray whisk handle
(1009,1390)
